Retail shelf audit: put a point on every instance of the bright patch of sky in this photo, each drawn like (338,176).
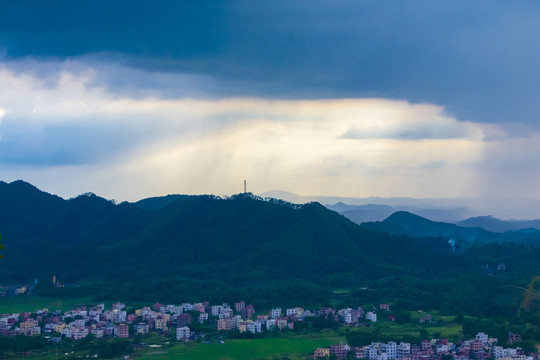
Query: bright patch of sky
(68,126)
(419,99)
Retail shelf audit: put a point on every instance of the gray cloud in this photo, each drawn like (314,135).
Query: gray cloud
(476,59)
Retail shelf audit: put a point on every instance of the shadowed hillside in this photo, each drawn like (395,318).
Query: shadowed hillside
(241,239)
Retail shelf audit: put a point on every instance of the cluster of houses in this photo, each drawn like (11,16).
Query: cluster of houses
(116,322)
(15,290)
(482,347)
(280,319)
(78,323)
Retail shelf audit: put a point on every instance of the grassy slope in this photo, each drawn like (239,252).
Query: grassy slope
(33,303)
(295,347)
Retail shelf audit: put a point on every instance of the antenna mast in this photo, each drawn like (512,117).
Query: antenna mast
(245,187)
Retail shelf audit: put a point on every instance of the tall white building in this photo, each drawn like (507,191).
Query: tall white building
(371,316)
(275,313)
(183,333)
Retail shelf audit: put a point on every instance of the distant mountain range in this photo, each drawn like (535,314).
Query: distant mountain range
(496,225)
(437,209)
(373,212)
(405,223)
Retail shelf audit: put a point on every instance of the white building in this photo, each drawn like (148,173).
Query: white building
(345,315)
(390,349)
(254,327)
(119,316)
(203,317)
(141,328)
(78,323)
(118,306)
(275,313)
(372,353)
(442,348)
(482,337)
(270,323)
(188,307)
(293,311)
(66,331)
(216,310)
(371,316)
(403,350)
(498,352)
(98,333)
(182,333)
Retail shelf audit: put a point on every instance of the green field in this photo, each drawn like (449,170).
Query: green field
(295,347)
(33,303)
(451,331)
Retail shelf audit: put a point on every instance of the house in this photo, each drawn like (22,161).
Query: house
(78,333)
(254,327)
(141,328)
(371,316)
(183,319)
(275,313)
(293,311)
(248,311)
(183,333)
(121,331)
(482,337)
(203,317)
(98,333)
(157,306)
(117,306)
(340,351)
(239,306)
(161,324)
(321,353)
(226,324)
(512,338)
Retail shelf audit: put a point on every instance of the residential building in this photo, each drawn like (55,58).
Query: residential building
(512,338)
(121,331)
(371,316)
(248,311)
(275,313)
(321,353)
(183,333)
(239,306)
(78,333)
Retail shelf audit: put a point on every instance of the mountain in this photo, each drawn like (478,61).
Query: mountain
(408,224)
(436,209)
(242,239)
(155,203)
(493,224)
(183,247)
(374,212)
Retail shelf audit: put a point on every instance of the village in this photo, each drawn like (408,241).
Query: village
(482,347)
(118,322)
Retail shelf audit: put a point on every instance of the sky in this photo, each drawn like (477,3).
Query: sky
(131,99)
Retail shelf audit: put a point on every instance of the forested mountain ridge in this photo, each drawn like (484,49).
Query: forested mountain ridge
(239,237)
(195,245)
(408,224)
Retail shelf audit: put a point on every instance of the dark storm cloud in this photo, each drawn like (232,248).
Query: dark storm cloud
(481,60)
